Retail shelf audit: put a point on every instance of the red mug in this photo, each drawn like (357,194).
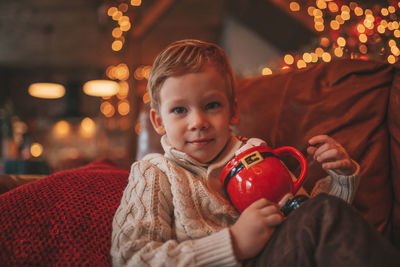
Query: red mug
(259,173)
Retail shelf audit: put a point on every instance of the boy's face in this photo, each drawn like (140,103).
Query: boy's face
(195,114)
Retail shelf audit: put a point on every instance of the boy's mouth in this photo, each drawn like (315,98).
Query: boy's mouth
(201,142)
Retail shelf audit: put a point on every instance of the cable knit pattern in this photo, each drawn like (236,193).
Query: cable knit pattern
(174,212)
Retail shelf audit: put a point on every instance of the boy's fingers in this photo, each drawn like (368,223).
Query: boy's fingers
(323,149)
(274,220)
(270,209)
(311,150)
(329,155)
(260,203)
(320,139)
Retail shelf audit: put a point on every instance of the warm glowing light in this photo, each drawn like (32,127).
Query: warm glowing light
(318,20)
(294,6)
(384,11)
(301,64)
(319,51)
(136,2)
(314,57)
(395,25)
(123,7)
(123,20)
(111,11)
(317,12)
(307,57)
(110,72)
(138,128)
(46,90)
(107,109)
(123,90)
(391,59)
(345,8)
(360,28)
(87,128)
(123,107)
(321,4)
(324,42)
(138,74)
(363,49)
(289,59)
(381,29)
(341,41)
(335,25)
(116,33)
(395,50)
(61,128)
(338,52)
(345,15)
(339,19)
(146,72)
(353,5)
(391,43)
(326,57)
(310,10)
(396,33)
(363,38)
(126,26)
(101,88)
(121,72)
(368,12)
(391,9)
(146,98)
(36,150)
(333,7)
(116,45)
(117,15)
(266,71)
(358,11)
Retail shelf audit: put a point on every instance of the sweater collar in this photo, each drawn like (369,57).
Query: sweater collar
(198,168)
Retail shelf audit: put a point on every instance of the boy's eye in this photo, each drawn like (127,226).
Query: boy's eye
(179,110)
(213,105)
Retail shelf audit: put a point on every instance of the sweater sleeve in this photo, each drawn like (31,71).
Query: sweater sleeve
(342,186)
(143,227)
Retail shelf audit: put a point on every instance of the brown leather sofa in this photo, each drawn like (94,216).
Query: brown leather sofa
(354,101)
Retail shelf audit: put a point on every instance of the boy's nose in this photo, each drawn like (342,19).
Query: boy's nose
(198,121)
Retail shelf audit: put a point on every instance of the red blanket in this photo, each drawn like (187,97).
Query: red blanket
(64,218)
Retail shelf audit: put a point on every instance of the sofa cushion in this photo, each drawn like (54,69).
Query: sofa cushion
(346,99)
(62,219)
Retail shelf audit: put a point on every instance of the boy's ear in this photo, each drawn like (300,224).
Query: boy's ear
(156,121)
(235,114)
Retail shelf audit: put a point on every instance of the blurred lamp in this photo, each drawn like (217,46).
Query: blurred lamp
(101,88)
(46,90)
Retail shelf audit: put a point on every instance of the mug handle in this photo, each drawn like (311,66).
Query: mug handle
(302,160)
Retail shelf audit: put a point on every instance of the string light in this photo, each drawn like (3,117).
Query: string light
(349,30)
(266,71)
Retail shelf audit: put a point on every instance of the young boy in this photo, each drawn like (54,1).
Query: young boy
(174,211)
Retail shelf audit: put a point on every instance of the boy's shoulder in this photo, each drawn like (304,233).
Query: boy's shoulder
(152,160)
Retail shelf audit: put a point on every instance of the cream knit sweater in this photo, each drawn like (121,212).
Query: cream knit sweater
(174,211)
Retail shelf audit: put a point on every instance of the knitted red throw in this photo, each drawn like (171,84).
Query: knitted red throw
(63,219)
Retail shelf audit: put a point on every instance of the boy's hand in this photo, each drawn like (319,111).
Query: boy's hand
(330,154)
(254,228)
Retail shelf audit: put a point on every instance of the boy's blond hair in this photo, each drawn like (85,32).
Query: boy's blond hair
(188,56)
